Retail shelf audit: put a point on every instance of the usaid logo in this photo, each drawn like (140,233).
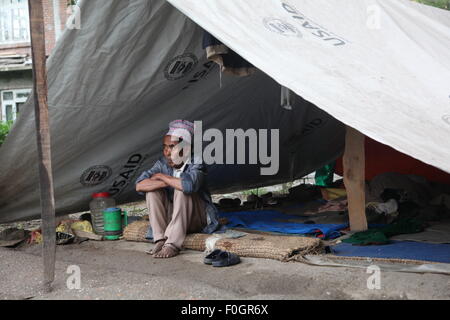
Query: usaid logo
(127,174)
(95,176)
(281,27)
(313,28)
(180,66)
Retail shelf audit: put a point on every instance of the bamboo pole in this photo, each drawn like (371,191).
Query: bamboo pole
(43,140)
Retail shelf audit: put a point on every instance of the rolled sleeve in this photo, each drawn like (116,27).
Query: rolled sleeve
(149,173)
(192,180)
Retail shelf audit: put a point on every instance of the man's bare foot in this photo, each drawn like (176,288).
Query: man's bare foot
(157,248)
(167,251)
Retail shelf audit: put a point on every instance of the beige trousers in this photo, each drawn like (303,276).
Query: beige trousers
(172,221)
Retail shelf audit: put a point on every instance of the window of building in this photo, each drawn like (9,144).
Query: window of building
(12,101)
(14,22)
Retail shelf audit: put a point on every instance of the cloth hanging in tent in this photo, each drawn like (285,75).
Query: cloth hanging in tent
(324,176)
(228,60)
(232,63)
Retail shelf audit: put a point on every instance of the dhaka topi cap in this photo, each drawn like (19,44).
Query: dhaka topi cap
(182,129)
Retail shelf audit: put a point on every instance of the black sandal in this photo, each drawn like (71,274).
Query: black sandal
(209,259)
(226,259)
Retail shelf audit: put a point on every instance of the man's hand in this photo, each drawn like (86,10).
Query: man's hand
(168,180)
(149,185)
(159,176)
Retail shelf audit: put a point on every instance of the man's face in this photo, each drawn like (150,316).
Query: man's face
(170,150)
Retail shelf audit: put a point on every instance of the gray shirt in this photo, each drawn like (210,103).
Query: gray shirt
(193,180)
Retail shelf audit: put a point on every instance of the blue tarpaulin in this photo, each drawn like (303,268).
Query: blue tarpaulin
(397,250)
(271,221)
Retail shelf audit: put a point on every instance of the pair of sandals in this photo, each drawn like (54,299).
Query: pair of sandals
(219,258)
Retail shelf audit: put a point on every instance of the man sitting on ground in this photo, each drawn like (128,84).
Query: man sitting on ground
(177,198)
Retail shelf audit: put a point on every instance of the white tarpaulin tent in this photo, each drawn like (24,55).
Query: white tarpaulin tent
(382,67)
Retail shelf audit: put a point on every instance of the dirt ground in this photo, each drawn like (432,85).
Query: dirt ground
(121,270)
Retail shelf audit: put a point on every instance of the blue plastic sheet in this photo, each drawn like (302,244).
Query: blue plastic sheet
(397,250)
(268,220)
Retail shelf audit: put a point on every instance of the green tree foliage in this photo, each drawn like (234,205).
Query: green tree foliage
(5,127)
(443,4)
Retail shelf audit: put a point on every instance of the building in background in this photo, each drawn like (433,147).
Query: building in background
(15,50)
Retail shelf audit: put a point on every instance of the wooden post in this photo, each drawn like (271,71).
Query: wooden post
(354,178)
(43,140)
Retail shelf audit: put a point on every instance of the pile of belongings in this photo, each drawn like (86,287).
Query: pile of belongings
(226,204)
(68,231)
(13,237)
(379,236)
(408,196)
(404,204)
(253,201)
(77,231)
(258,202)
(305,192)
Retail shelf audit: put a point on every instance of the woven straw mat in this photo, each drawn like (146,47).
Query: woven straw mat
(282,248)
